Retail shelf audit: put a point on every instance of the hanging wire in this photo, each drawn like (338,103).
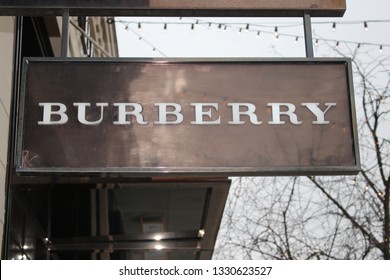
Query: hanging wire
(152,46)
(255,28)
(365,23)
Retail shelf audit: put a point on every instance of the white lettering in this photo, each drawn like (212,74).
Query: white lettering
(250,112)
(123,113)
(276,113)
(81,112)
(320,115)
(48,113)
(199,113)
(171,113)
(163,113)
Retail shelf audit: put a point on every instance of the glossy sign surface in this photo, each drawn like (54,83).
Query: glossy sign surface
(187,117)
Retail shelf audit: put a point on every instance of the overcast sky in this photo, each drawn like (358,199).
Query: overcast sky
(205,41)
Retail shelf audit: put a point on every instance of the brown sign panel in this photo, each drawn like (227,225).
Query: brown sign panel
(192,117)
(176,7)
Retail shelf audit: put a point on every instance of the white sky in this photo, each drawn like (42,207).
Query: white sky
(179,41)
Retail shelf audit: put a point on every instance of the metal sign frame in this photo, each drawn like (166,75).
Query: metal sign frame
(197,171)
(199,8)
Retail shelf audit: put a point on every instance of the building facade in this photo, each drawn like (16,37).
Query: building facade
(90,217)
(40,37)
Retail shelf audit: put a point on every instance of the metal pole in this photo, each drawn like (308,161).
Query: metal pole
(49,216)
(308,35)
(16,81)
(65,34)
(93,41)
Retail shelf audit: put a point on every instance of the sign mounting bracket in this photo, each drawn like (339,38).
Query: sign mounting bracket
(65,33)
(308,35)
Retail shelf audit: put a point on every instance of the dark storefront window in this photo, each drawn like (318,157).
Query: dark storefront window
(51,217)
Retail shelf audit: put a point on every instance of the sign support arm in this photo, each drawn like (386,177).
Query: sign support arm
(308,35)
(65,33)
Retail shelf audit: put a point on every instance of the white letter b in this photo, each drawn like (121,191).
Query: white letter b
(48,113)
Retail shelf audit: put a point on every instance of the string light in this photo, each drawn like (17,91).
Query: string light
(276,32)
(140,38)
(247,28)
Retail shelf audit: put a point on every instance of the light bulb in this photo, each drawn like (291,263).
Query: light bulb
(365,26)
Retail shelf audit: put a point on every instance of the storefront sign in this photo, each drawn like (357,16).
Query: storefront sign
(224,8)
(215,117)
